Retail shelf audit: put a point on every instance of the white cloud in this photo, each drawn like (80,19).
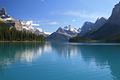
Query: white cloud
(41,22)
(32,23)
(35,24)
(48,33)
(81,14)
(74,20)
(53,23)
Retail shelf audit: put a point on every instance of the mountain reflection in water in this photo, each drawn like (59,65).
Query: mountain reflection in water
(101,56)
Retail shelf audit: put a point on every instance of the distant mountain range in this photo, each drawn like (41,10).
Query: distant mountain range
(64,34)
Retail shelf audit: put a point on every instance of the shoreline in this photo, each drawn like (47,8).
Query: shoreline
(22,41)
(60,42)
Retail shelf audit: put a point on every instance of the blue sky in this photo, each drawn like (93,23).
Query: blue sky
(51,14)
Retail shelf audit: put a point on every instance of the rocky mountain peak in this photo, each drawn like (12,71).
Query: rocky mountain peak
(100,21)
(3,11)
(116,10)
(87,25)
(60,30)
(71,29)
(68,27)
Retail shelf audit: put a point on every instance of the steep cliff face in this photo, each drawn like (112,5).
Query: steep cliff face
(115,16)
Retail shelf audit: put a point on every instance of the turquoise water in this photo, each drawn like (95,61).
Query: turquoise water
(52,61)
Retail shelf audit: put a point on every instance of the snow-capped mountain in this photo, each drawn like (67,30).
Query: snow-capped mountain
(29,27)
(63,34)
(71,29)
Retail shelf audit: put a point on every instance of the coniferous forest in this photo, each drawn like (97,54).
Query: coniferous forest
(8,33)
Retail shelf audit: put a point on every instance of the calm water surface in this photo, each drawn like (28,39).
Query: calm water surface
(52,61)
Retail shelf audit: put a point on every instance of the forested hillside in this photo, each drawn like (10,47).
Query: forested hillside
(9,33)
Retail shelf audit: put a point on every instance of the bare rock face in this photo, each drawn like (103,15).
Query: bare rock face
(89,27)
(86,28)
(18,25)
(115,16)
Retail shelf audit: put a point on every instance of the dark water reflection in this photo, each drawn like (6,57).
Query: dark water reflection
(104,55)
(99,57)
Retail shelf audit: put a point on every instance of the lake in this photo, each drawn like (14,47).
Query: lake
(59,61)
